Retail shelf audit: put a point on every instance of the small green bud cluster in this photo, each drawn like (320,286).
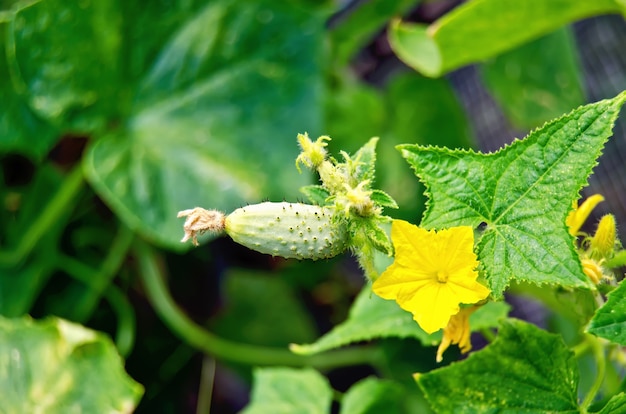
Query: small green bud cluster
(346,187)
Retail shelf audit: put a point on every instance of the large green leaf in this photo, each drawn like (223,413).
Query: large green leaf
(55,366)
(67,57)
(21,130)
(525,370)
(289,391)
(374,396)
(216,118)
(609,322)
(538,81)
(521,193)
(480,29)
(372,317)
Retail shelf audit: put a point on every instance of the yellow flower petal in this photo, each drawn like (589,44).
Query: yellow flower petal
(433,272)
(578,215)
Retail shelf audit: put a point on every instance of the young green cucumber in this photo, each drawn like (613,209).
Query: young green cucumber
(290,230)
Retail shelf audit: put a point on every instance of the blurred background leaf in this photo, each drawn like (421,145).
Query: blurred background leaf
(201,125)
(460,37)
(538,81)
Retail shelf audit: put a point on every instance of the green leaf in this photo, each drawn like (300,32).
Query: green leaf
(52,365)
(383,199)
(374,396)
(522,193)
(370,317)
(524,370)
(538,81)
(289,391)
(378,237)
(215,122)
(316,194)
(67,56)
(21,130)
(366,161)
(480,29)
(616,405)
(261,309)
(609,322)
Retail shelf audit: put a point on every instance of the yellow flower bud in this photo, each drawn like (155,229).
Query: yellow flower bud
(602,243)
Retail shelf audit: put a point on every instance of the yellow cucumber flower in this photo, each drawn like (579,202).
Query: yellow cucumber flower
(433,272)
(457,332)
(578,215)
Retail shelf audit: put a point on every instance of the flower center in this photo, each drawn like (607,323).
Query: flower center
(442,276)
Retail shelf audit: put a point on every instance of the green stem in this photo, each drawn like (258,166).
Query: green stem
(50,215)
(198,337)
(207,380)
(86,304)
(599,355)
(125,335)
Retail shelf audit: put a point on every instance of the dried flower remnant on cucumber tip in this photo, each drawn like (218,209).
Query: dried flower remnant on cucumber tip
(200,221)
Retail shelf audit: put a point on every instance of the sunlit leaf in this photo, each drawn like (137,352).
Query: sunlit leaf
(480,29)
(49,366)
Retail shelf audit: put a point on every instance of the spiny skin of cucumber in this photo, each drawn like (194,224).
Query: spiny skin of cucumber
(290,230)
